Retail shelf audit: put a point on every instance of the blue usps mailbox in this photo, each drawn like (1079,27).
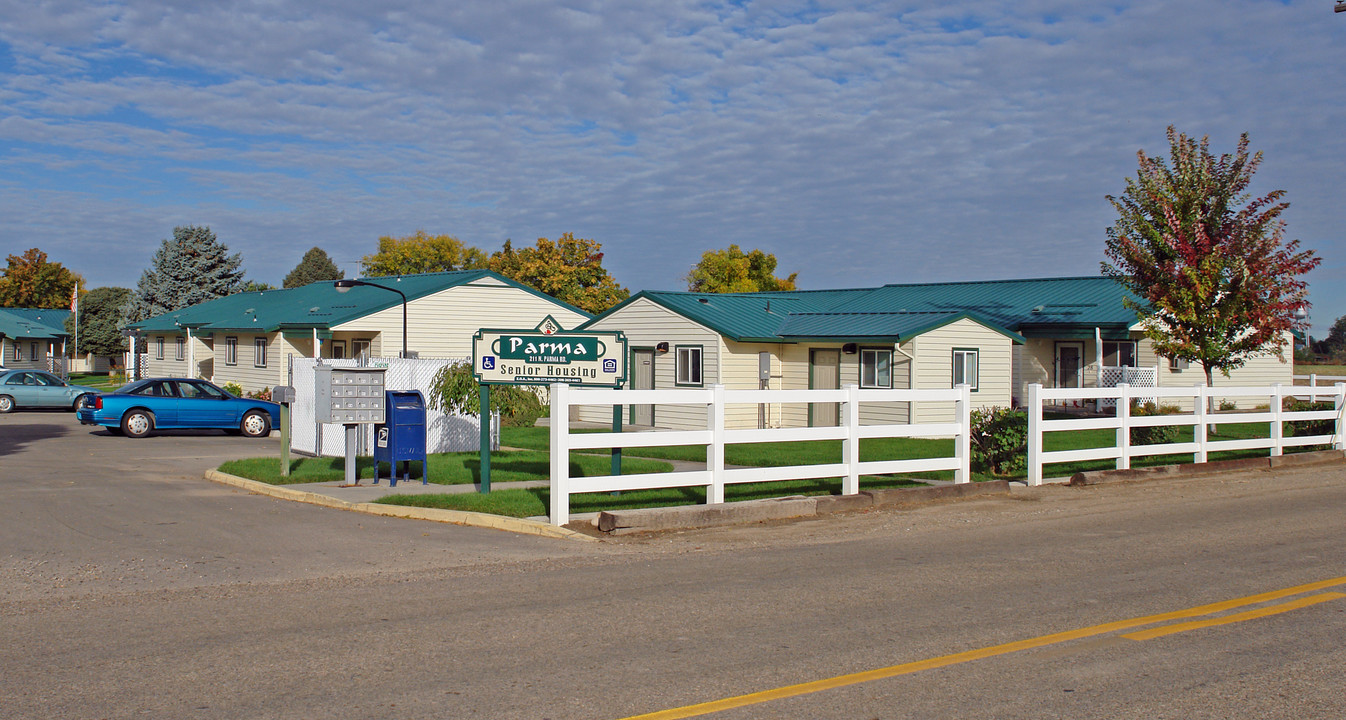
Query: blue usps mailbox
(402,438)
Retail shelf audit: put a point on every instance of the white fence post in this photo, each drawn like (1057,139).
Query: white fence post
(560,454)
(1339,404)
(1034,434)
(1199,431)
(1277,427)
(850,447)
(963,443)
(715,450)
(1124,432)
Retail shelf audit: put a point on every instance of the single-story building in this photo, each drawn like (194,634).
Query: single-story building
(33,338)
(997,336)
(248,337)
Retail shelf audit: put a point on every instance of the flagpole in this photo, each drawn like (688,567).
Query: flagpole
(74,307)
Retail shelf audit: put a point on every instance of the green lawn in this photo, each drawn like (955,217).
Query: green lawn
(102,381)
(445,468)
(1320,370)
(777,454)
(536,501)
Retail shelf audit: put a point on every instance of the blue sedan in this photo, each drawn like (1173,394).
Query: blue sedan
(177,404)
(35,388)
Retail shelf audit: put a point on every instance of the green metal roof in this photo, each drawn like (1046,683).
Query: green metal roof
(42,324)
(1047,307)
(316,305)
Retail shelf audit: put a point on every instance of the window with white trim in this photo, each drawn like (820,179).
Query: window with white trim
(231,351)
(965,367)
(1117,353)
(688,363)
(876,368)
(158,348)
(360,348)
(18,351)
(180,351)
(259,352)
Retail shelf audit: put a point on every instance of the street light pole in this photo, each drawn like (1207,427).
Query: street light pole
(344,285)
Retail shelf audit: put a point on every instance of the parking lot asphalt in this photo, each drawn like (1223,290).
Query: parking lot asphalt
(80,505)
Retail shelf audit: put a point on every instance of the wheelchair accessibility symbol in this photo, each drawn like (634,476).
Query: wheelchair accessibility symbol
(488,362)
(609,366)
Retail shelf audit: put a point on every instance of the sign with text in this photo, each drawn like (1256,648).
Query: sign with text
(547,354)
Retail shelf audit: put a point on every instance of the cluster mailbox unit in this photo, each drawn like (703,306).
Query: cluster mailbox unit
(350,397)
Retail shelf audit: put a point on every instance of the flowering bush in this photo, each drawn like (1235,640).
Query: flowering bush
(999,440)
(233,389)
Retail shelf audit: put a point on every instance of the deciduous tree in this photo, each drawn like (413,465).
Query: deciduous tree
(422,253)
(100,321)
(31,281)
(190,268)
(569,269)
(316,265)
(1218,283)
(732,270)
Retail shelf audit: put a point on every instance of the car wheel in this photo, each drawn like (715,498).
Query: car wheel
(79,402)
(6,404)
(255,424)
(138,423)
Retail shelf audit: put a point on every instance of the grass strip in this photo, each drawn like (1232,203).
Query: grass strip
(445,468)
(531,502)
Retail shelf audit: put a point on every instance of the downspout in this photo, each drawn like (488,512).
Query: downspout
(911,376)
(191,354)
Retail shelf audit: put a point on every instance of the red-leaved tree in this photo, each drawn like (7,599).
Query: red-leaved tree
(1218,282)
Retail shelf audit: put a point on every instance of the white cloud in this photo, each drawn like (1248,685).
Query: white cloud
(861,142)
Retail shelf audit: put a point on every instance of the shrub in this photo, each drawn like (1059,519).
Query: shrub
(455,391)
(1304,428)
(233,389)
(999,440)
(1226,405)
(1159,434)
(263,394)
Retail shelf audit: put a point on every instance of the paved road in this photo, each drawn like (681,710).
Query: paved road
(139,590)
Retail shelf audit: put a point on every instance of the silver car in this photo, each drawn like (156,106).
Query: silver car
(39,389)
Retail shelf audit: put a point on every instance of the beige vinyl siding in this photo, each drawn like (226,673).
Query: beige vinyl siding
(442,325)
(647,324)
(1257,372)
(169,366)
(244,374)
(934,366)
(44,348)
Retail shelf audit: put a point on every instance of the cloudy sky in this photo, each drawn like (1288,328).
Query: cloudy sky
(862,143)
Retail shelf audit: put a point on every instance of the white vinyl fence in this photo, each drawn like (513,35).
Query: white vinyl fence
(715,437)
(1200,419)
(444,433)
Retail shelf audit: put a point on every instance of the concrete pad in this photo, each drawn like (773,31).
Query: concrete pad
(844,503)
(907,496)
(695,516)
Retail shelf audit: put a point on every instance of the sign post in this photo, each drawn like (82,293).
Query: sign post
(540,356)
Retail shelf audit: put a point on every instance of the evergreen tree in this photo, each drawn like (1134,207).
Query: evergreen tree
(315,266)
(190,268)
(100,330)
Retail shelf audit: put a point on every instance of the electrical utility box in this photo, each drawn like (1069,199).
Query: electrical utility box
(350,396)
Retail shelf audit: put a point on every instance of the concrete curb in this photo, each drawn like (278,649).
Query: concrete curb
(453,517)
(623,522)
(1098,477)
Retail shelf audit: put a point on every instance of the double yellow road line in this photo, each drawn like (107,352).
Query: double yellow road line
(789,691)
